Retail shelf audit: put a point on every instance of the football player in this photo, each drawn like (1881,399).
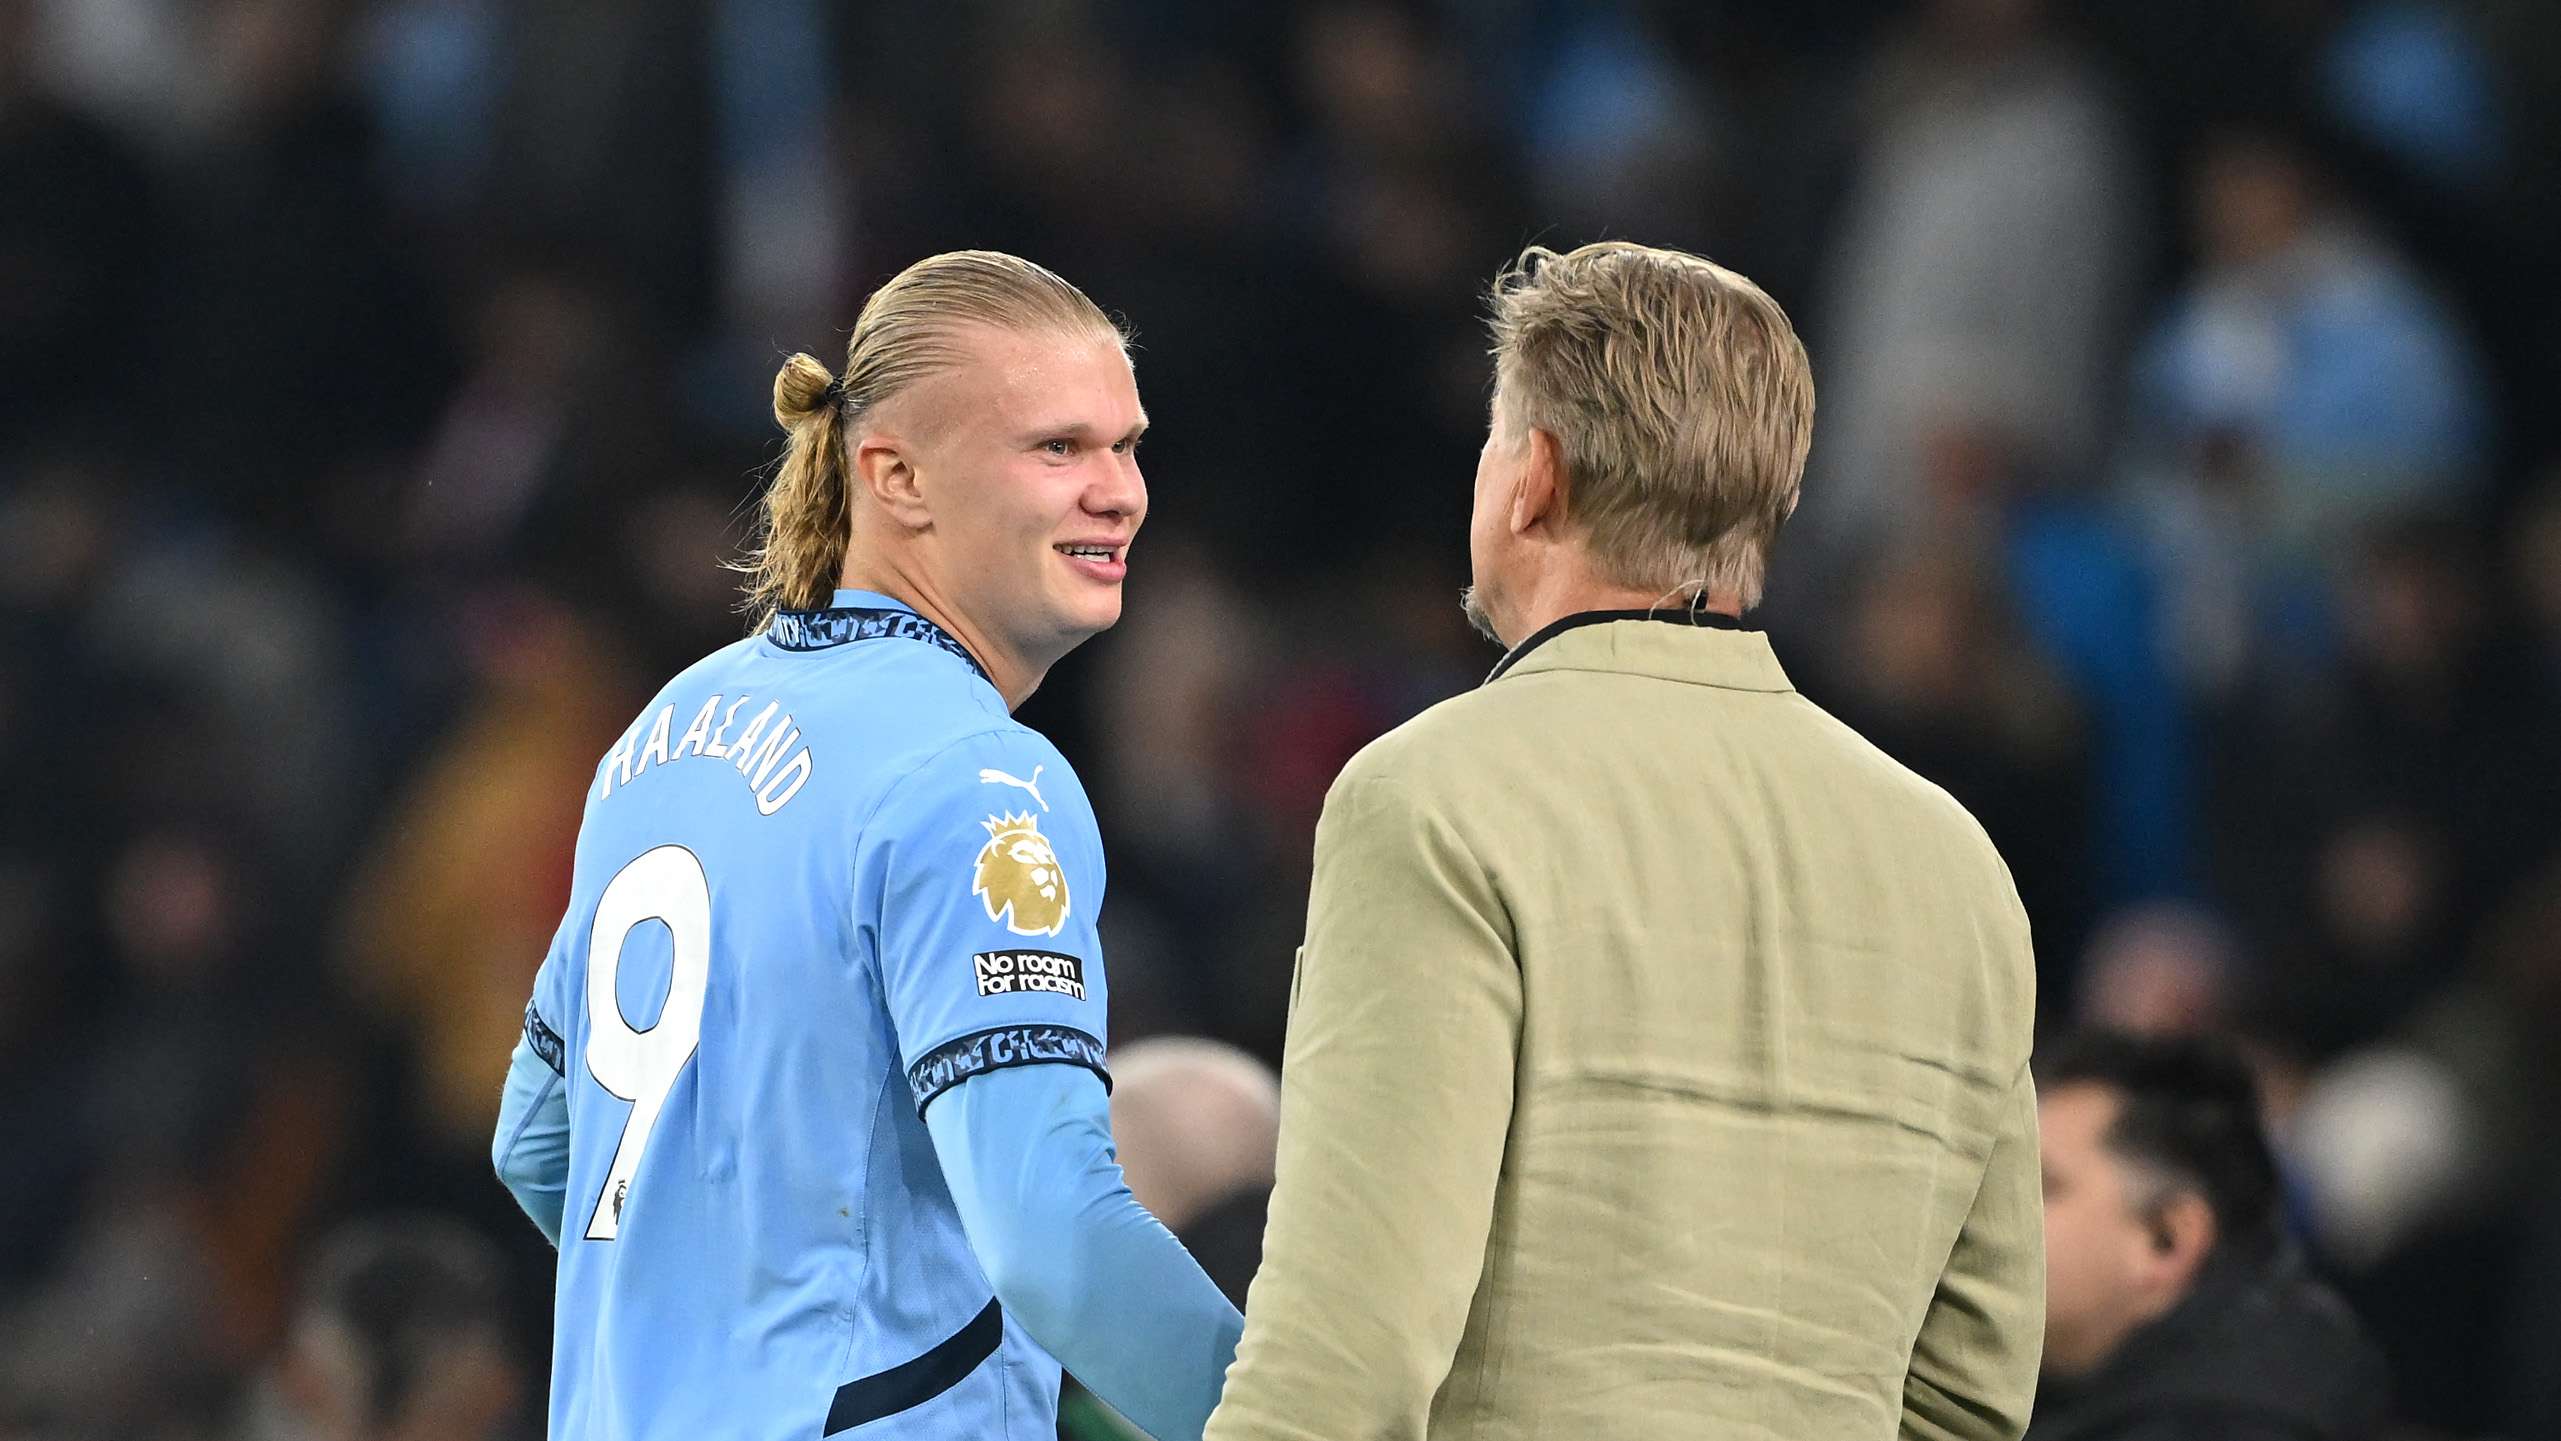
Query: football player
(812,1090)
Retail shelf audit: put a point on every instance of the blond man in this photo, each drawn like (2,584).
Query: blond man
(1657,1063)
(812,1090)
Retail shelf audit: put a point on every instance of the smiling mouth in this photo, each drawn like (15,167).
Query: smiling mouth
(1089,552)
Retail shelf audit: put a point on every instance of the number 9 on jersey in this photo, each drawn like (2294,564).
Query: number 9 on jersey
(640,1066)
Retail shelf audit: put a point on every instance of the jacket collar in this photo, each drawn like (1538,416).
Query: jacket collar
(1697,647)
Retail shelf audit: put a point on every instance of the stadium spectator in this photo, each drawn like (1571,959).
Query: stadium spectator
(2165,969)
(2305,383)
(1981,270)
(2175,1310)
(1195,1122)
(2367,824)
(451,905)
(2426,1174)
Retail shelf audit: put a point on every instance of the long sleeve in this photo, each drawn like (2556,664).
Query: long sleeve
(1095,1279)
(531,1147)
(1396,1097)
(1974,1365)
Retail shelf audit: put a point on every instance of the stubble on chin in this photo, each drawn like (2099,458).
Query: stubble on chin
(1473,606)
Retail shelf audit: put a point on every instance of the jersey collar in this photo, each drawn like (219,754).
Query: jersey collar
(853,615)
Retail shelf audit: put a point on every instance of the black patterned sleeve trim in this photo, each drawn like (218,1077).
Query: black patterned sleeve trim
(545,1041)
(1002,1048)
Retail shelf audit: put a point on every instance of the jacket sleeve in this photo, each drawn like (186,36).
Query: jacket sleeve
(1396,1099)
(1974,1365)
(1079,1264)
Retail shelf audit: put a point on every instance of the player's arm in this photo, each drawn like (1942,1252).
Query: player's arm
(531,1147)
(1100,1283)
(1974,1365)
(989,876)
(1396,1097)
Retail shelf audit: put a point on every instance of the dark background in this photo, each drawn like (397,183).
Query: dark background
(383,383)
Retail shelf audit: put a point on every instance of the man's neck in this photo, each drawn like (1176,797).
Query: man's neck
(2074,1364)
(1014,678)
(1575,590)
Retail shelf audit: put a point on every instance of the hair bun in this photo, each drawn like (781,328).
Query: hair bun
(803,388)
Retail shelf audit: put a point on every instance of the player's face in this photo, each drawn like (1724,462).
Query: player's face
(1032,476)
(2096,1242)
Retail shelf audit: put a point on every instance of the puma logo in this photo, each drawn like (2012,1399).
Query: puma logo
(999,778)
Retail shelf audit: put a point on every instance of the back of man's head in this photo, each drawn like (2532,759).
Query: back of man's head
(2187,1118)
(1680,400)
(2154,1167)
(1196,1122)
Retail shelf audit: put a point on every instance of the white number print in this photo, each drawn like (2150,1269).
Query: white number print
(666,884)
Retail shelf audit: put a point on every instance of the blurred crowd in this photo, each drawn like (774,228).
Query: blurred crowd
(383,386)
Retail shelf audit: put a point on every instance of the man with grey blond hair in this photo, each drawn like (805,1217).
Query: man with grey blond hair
(1657,1060)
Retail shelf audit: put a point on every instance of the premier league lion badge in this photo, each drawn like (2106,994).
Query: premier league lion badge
(1018,877)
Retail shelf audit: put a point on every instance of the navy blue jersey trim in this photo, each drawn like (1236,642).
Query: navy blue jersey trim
(545,1041)
(998,1049)
(913,1383)
(843,625)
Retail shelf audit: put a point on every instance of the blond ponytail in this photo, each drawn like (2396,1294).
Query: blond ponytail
(808,518)
(905,332)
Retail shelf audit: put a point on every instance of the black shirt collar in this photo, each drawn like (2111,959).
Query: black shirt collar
(1706,619)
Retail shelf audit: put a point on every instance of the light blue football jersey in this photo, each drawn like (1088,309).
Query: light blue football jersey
(823,878)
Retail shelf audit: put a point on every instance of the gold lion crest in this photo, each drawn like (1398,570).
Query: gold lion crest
(1018,877)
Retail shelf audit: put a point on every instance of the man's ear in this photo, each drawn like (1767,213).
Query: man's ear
(885,469)
(2182,1233)
(1539,498)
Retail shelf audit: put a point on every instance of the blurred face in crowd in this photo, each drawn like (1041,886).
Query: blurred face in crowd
(2158,970)
(2117,1252)
(1014,476)
(2251,200)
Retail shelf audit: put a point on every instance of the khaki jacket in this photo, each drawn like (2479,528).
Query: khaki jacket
(1657,1067)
